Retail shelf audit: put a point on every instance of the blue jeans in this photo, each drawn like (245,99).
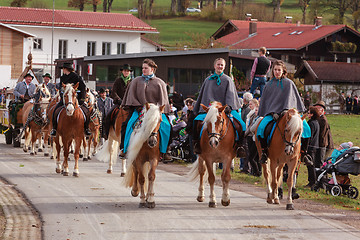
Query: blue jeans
(258,82)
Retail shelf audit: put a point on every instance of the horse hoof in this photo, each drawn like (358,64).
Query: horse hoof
(134,194)
(65,174)
(85,159)
(28,148)
(269,201)
(289,206)
(40,150)
(212,204)
(25,150)
(225,203)
(58,170)
(46,154)
(150,204)
(51,157)
(89,158)
(200,199)
(80,156)
(75,174)
(276,201)
(122,174)
(109,171)
(32,154)
(142,205)
(69,159)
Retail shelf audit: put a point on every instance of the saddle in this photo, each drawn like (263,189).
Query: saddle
(269,129)
(113,115)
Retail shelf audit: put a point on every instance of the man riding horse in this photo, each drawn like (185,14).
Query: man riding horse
(70,76)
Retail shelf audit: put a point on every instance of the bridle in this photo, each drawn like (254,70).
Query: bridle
(287,143)
(219,136)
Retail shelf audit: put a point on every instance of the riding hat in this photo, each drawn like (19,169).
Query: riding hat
(47,75)
(321,104)
(28,74)
(126,67)
(101,90)
(67,65)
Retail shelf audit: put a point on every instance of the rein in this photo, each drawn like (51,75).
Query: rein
(287,143)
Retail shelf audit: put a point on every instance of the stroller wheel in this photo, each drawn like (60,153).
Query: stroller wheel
(353,192)
(335,190)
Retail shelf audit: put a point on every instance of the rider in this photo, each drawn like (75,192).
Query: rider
(24,90)
(280,94)
(146,88)
(52,89)
(221,88)
(70,76)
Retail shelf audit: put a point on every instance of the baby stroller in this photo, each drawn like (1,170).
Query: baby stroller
(180,148)
(346,163)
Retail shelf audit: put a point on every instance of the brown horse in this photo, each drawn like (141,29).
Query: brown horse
(284,149)
(143,155)
(109,151)
(70,128)
(36,120)
(217,144)
(47,129)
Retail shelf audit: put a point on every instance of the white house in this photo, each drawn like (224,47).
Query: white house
(77,34)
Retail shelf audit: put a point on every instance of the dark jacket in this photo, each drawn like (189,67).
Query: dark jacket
(325,137)
(245,111)
(73,78)
(118,90)
(190,121)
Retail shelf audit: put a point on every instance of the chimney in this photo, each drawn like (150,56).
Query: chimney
(298,23)
(252,26)
(318,21)
(288,19)
(248,17)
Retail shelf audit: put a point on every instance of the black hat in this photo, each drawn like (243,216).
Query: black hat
(101,90)
(47,75)
(126,67)
(28,74)
(67,65)
(321,104)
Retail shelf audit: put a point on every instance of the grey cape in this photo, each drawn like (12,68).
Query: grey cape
(225,93)
(278,96)
(139,92)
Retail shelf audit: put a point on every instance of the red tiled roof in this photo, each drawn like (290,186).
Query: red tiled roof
(240,24)
(288,37)
(331,71)
(73,19)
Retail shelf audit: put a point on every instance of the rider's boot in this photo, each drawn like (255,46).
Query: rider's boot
(54,120)
(86,111)
(264,147)
(305,158)
(196,140)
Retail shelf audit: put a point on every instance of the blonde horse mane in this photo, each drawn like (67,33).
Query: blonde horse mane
(211,116)
(295,122)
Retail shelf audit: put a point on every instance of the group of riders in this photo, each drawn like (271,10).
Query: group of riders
(279,94)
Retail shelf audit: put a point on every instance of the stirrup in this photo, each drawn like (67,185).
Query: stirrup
(87,132)
(264,157)
(53,132)
(122,154)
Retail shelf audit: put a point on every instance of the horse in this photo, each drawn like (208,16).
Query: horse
(217,144)
(284,149)
(94,125)
(47,129)
(70,128)
(110,148)
(36,121)
(143,155)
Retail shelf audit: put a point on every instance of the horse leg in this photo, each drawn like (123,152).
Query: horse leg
(66,146)
(85,146)
(123,167)
(211,179)
(95,142)
(111,150)
(290,182)
(39,138)
(150,201)
(27,139)
(141,179)
(267,180)
(135,186)
(76,156)
(201,169)
(274,184)
(225,178)
(279,174)
(33,141)
(46,143)
(57,157)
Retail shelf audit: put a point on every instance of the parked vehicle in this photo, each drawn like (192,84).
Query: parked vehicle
(134,10)
(193,10)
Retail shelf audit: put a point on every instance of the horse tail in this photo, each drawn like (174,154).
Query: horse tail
(107,150)
(129,177)
(194,171)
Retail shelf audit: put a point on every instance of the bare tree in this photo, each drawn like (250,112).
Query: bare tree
(77,4)
(107,5)
(276,7)
(151,3)
(304,4)
(173,7)
(355,10)
(141,9)
(233,3)
(95,3)
(340,7)
(215,4)
(18,3)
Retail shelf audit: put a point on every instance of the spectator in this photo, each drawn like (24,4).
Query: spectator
(342,102)
(307,100)
(348,103)
(325,138)
(355,109)
(259,70)
(314,115)
(245,109)
(25,90)
(190,116)
(105,105)
(177,100)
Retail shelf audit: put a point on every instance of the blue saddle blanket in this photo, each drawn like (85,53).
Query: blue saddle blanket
(164,130)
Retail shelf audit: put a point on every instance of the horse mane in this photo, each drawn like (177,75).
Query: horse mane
(151,119)
(92,99)
(68,88)
(295,122)
(41,88)
(211,116)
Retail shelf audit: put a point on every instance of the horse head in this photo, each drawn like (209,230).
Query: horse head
(90,99)
(214,122)
(69,98)
(42,100)
(153,139)
(293,130)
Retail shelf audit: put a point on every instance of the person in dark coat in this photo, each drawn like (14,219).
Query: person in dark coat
(341,100)
(325,138)
(260,68)
(105,105)
(117,94)
(348,103)
(307,100)
(190,116)
(314,114)
(177,100)
(69,76)
(355,108)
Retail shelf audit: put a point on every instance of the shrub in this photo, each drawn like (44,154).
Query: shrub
(39,4)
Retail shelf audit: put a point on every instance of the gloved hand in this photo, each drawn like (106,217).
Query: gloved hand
(275,116)
(227,110)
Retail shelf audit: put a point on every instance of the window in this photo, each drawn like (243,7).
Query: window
(121,48)
(62,49)
(37,43)
(106,48)
(91,48)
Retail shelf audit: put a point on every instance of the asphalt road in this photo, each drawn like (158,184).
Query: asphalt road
(97,206)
